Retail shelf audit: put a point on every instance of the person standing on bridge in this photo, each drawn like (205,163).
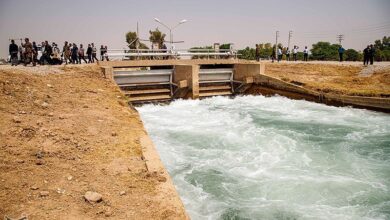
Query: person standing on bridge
(66,52)
(28,52)
(47,53)
(305,54)
(102,52)
(35,51)
(287,54)
(257,53)
(89,53)
(81,54)
(280,54)
(341,53)
(295,52)
(105,55)
(75,51)
(371,54)
(56,55)
(366,52)
(94,52)
(13,52)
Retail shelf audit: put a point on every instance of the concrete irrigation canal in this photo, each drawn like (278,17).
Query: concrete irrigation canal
(199,139)
(256,157)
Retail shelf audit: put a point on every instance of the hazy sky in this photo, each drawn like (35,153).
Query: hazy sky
(244,22)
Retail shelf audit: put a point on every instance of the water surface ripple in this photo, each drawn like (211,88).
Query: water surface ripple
(256,157)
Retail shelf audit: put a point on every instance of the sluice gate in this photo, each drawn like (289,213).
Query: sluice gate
(217,81)
(145,85)
(159,81)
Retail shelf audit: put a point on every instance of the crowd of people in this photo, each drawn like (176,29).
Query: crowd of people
(51,54)
(368,54)
(280,52)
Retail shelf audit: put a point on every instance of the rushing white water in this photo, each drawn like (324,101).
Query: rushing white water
(256,157)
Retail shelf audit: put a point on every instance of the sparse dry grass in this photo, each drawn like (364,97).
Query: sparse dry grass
(331,78)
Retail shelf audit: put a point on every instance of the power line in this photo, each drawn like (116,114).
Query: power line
(362,28)
(383,31)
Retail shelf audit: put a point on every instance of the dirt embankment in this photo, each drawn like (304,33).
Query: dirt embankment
(353,80)
(65,131)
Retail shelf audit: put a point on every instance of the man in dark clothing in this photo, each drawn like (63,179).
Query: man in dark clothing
(288,54)
(305,54)
(366,57)
(341,52)
(371,54)
(102,51)
(13,52)
(257,52)
(94,51)
(35,52)
(89,53)
(47,53)
(75,51)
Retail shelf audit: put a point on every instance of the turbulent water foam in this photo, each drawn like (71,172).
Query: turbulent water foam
(256,157)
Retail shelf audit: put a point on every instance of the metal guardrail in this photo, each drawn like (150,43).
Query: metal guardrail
(128,54)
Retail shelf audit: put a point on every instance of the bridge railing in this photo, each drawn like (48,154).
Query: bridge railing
(161,54)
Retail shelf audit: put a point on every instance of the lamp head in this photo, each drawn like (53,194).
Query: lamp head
(183,21)
(156,19)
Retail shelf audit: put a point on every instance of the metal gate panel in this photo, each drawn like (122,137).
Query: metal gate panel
(215,75)
(143,76)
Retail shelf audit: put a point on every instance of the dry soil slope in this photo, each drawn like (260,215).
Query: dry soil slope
(65,131)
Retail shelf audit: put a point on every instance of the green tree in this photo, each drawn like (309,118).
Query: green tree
(247,53)
(324,51)
(352,55)
(265,50)
(157,36)
(386,42)
(382,49)
(378,44)
(133,41)
(224,46)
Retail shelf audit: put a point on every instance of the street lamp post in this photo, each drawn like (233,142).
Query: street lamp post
(170,29)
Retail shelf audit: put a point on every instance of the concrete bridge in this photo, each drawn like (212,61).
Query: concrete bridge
(164,80)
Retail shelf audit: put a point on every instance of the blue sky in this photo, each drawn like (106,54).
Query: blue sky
(243,23)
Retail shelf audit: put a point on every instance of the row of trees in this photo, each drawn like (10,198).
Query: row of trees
(382,49)
(320,50)
(323,51)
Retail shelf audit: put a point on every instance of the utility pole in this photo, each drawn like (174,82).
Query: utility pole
(340,38)
(289,39)
(137,39)
(276,44)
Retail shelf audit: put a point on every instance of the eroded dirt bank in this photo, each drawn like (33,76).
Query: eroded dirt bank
(65,131)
